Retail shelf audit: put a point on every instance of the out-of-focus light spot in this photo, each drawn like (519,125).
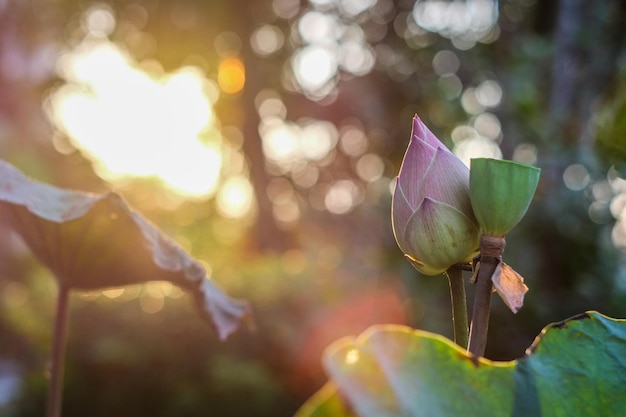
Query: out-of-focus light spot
(317,139)
(231,75)
(280,190)
(462,132)
(287,143)
(601,191)
(618,184)
(342,197)
(317,27)
(131,292)
(470,102)
(599,212)
(322,3)
(314,66)
(113,292)
(235,197)
(286,9)
(352,357)
(353,141)
(15,294)
(130,123)
(99,20)
(151,300)
(280,140)
(488,125)
(266,40)
(176,293)
(451,86)
(166,287)
(370,167)
(269,105)
(355,7)
(618,205)
(526,153)
(89,295)
(467,21)
(357,58)
(286,211)
(618,234)
(446,62)
(576,177)
(489,93)
(305,175)
(227,44)
(477,147)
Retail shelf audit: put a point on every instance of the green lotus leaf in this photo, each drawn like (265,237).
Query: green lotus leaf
(573,368)
(95,241)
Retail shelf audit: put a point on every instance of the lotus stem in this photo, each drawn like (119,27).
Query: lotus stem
(491,249)
(459,305)
(57,356)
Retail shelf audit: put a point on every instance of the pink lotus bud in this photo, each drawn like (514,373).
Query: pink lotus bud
(431,213)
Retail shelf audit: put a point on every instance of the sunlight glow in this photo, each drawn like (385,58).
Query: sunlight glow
(133,123)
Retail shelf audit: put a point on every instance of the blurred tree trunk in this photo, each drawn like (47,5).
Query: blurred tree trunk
(268,235)
(587,40)
(588,37)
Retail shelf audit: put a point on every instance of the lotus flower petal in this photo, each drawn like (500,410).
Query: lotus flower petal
(433,183)
(417,159)
(94,241)
(447,180)
(402,212)
(421,132)
(440,236)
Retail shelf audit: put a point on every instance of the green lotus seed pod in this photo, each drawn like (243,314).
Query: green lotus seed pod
(500,192)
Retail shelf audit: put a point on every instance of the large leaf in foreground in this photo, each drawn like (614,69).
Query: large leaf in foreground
(574,368)
(94,241)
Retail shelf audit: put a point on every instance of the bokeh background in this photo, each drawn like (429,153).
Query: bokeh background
(264,137)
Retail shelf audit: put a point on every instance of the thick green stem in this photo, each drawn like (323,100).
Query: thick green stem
(459,305)
(57,356)
(491,249)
